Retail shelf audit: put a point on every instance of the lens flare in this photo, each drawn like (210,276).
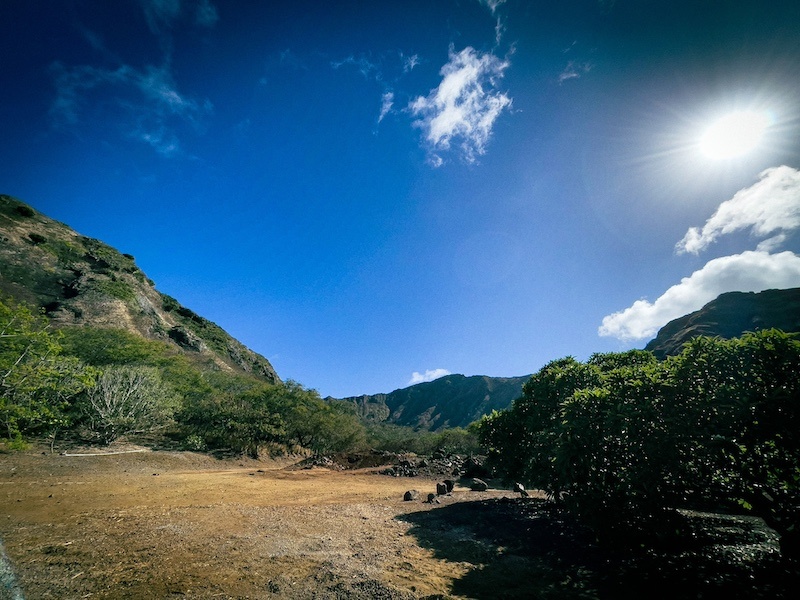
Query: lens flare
(735,134)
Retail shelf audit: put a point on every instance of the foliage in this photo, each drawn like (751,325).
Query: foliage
(37,383)
(318,425)
(126,399)
(102,347)
(116,288)
(244,414)
(400,439)
(623,437)
(24,210)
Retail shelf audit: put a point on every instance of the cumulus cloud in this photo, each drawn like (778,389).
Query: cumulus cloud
(465,105)
(148,103)
(770,206)
(429,375)
(751,271)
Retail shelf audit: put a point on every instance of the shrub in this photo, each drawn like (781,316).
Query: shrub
(126,399)
(25,211)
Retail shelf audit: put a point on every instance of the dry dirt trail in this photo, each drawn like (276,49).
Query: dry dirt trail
(185,525)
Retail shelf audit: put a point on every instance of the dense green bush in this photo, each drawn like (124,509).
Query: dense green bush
(37,382)
(24,210)
(244,415)
(623,438)
(400,439)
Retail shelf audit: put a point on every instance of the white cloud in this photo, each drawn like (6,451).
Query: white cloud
(465,105)
(148,104)
(769,206)
(206,14)
(429,375)
(574,70)
(365,66)
(161,14)
(409,62)
(751,271)
(387,100)
(492,5)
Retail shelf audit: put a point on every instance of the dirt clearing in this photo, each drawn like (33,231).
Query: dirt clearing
(184,525)
(179,524)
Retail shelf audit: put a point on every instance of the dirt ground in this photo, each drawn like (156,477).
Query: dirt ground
(163,524)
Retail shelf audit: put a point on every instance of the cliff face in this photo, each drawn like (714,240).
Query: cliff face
(730,315)
(450,401)
(82,282)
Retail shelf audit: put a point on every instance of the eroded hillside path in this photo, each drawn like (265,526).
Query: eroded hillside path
(180,524)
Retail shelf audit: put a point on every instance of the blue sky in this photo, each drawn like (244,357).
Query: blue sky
(372,194)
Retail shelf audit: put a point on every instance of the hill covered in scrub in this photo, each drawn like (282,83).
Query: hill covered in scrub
(450,401)
(81,282)
(729,316)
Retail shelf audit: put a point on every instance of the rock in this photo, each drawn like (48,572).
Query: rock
(450,485)
(478,485)
(474,467)
(410,495)
(441,489)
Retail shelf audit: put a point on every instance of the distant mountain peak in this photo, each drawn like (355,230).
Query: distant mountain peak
(450,401)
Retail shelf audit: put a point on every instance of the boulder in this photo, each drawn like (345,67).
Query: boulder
(478,485)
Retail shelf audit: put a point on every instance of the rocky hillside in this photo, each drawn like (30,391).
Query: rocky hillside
(730,315)
(82,282)
(450,401)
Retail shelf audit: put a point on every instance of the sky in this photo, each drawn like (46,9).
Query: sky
(375,194)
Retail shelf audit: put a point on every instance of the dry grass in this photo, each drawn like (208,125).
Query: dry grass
(185,525)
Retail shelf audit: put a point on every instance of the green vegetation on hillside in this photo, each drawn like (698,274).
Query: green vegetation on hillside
(38,383)
(99,384)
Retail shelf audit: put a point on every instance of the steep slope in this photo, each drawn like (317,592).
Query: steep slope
(450,401)
(82,282)
(730,315)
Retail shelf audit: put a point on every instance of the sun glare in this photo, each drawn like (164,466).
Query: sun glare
(734,134)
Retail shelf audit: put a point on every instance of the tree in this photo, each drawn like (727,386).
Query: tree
(126,399)
(521,441)
(317,425)
(37,384)
(623,439)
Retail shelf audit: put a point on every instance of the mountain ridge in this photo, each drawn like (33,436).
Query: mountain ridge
(730,315)
(79,281)
(451,401)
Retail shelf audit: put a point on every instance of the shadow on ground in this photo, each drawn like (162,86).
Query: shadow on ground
(526,548)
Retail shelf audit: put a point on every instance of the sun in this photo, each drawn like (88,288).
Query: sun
(733,135)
